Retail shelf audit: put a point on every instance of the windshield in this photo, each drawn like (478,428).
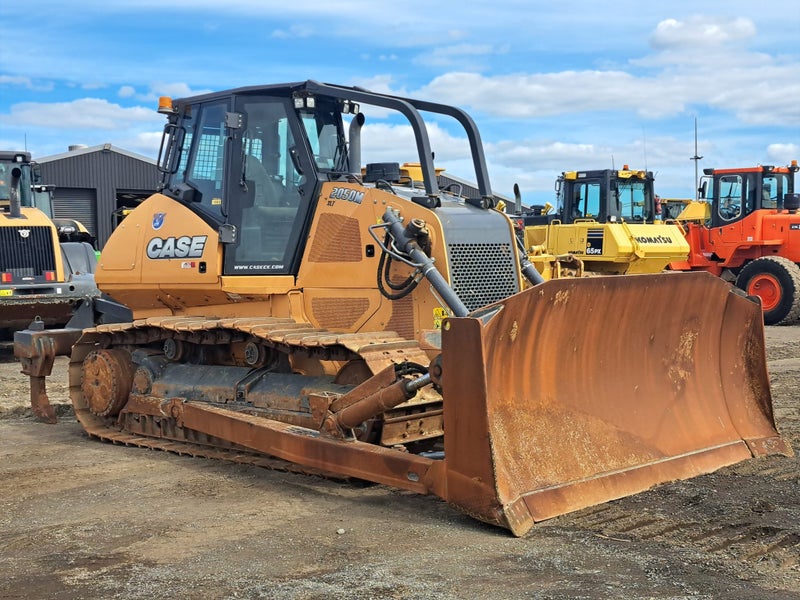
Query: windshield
(633,200)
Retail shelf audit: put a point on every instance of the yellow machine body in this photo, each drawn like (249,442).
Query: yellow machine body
(607,248)
(44,274)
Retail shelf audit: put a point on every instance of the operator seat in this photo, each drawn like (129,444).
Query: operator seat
(269,190)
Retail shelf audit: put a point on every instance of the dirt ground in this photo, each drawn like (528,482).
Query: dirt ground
(85,519)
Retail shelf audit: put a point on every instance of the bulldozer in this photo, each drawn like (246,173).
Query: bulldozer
(294,308)
(604,222)
(46,264)
(746,229)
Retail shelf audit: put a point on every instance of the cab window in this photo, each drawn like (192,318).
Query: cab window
(632,200)
(202,170)
(772,189)
(730,189)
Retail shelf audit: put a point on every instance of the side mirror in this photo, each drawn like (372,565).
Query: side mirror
(36,172)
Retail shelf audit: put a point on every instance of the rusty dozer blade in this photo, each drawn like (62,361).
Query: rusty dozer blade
(577,392)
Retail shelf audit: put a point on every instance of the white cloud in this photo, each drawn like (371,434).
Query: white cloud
(26,82)
(15,80)
(173,90)
(458,54)
(523,96)
(126,91)
(784,154)
(145,143)
(90,113)
(294,31)
(756,88)
(700,32)
(383,142)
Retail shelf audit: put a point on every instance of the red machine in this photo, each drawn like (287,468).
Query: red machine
(752,236)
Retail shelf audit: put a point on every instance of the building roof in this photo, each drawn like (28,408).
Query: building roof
(98,148)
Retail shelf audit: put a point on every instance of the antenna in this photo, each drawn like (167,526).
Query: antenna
(696,159)
(644,146)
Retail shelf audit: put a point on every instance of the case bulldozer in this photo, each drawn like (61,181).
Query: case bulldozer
(750,235)
(605,222)
(46,265)
(291,307)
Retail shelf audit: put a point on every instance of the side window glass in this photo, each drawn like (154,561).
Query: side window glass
(204,170)
(188,125)
(323,129)
(579,202)
(730,197)
(769,192)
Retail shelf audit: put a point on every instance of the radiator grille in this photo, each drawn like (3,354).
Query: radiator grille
(482,273)
(26,251)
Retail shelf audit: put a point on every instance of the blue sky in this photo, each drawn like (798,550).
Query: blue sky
(553,86)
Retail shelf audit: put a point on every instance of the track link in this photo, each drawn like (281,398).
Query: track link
(377,350)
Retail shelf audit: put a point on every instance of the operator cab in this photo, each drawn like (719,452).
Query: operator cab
(251,163)
(275,153)
(737,193)
(606,196)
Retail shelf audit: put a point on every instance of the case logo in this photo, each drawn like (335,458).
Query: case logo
(172,247)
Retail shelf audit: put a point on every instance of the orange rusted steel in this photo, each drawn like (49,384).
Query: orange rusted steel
(557,400)
(307,447)
(36,349)
(371,403)
(40,403)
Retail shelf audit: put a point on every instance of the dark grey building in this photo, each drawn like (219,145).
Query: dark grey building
(94,185)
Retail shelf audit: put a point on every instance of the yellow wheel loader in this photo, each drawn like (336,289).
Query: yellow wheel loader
(46,265)
(291,308)
(605,222)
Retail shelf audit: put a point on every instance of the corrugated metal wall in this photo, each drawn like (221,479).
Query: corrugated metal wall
(105,170)
(79,204)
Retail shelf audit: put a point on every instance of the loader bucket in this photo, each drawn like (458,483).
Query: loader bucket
(576,392)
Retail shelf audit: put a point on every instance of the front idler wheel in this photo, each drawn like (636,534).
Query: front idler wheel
(106,377)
